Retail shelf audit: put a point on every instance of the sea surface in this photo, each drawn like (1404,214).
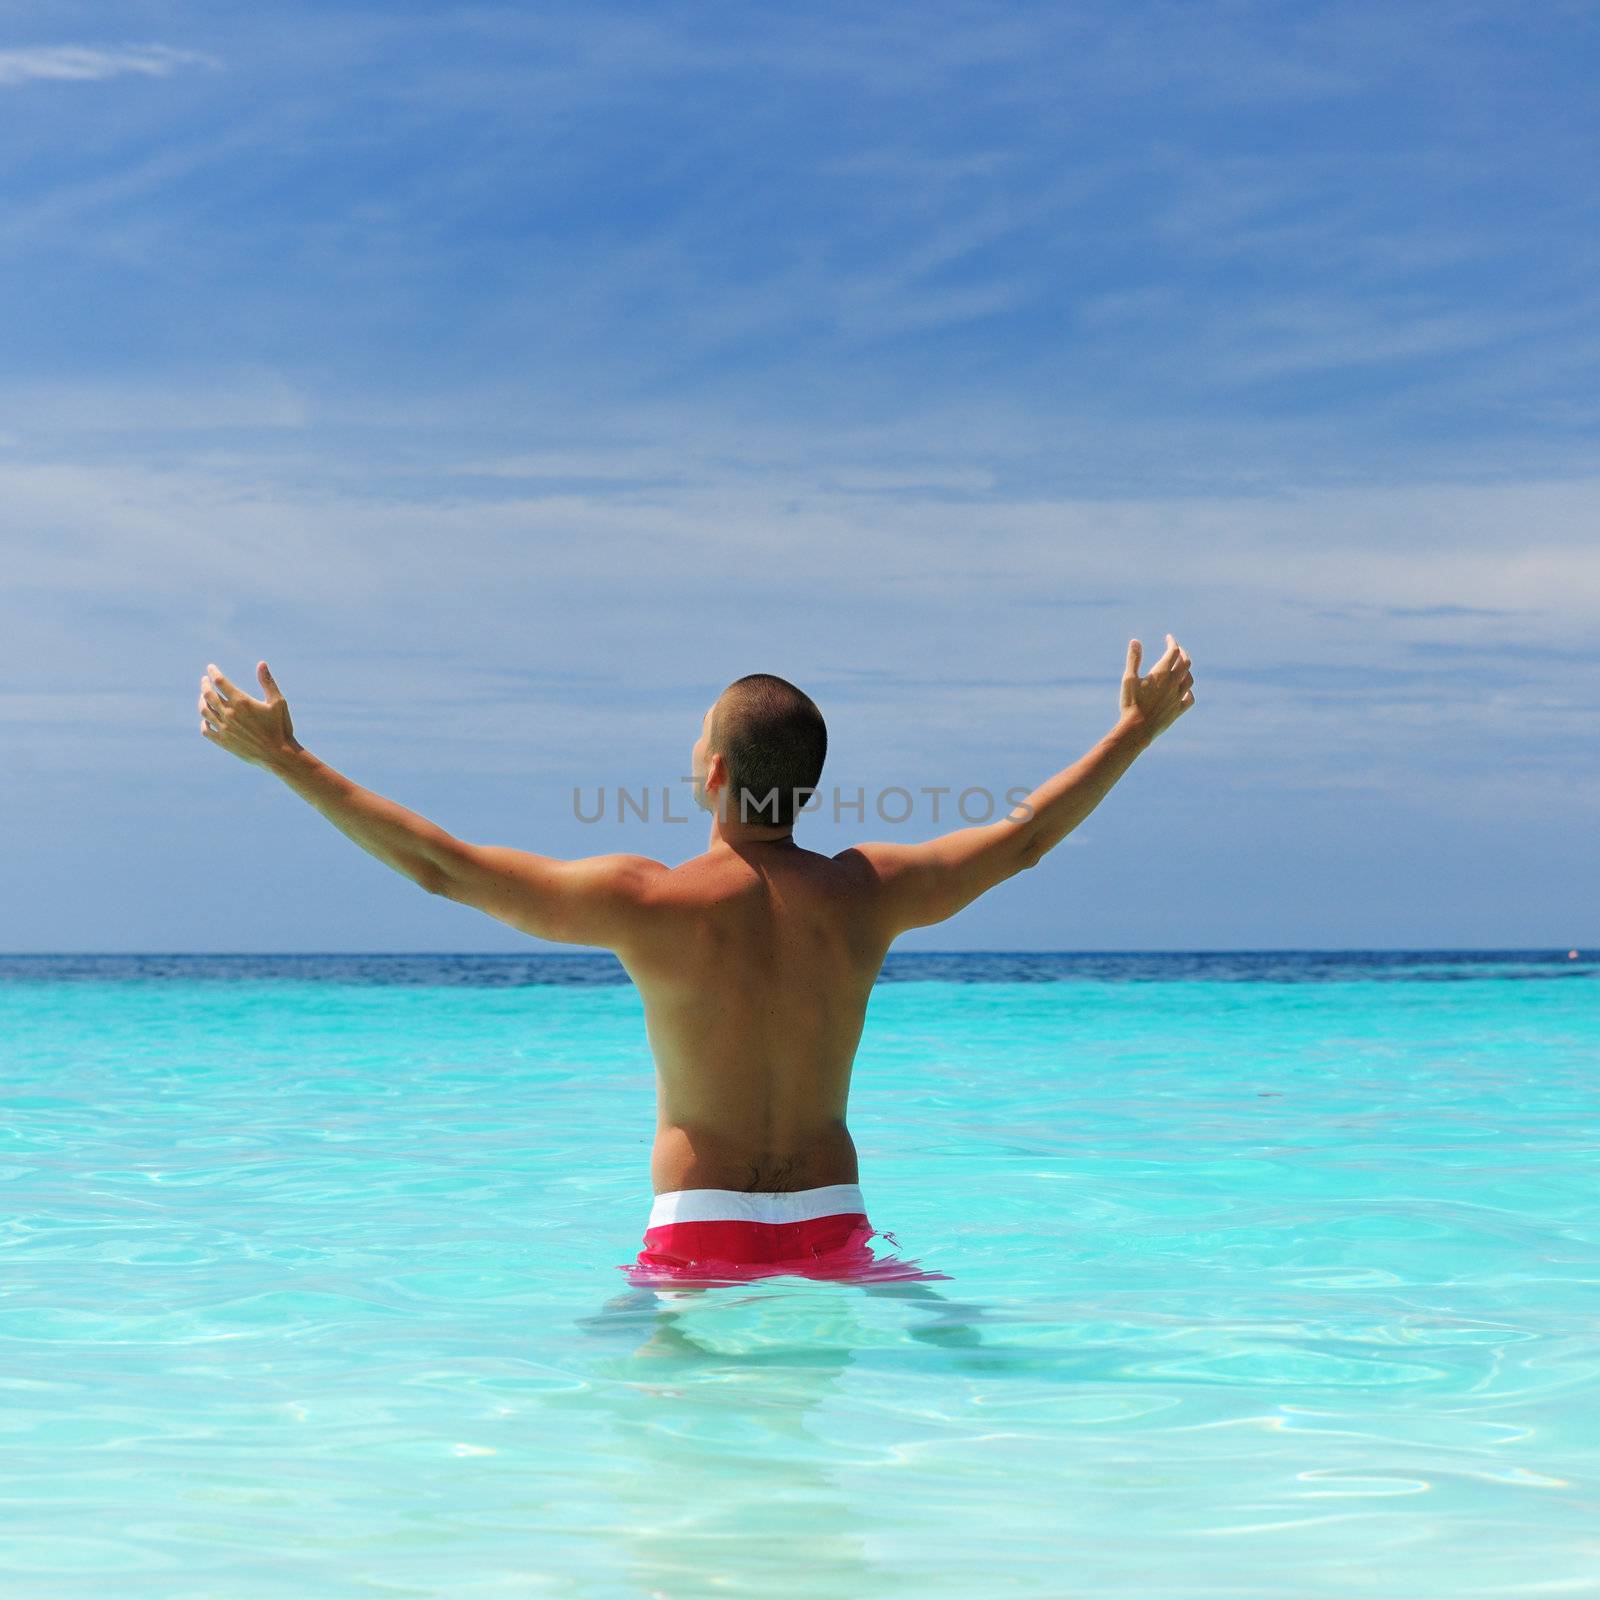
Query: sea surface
(1268,1274)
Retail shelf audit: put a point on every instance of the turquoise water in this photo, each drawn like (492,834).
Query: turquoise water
(1269,1276)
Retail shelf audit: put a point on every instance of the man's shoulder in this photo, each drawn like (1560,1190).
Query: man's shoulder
(665,884)
(629,876)
(636,866)
(870,859)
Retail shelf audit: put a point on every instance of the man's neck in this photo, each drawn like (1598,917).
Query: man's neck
(738,835)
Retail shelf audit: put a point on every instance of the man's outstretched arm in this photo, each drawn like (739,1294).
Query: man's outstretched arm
(595,901)
(925,883)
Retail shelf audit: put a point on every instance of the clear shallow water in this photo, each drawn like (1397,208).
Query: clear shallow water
(1270,1275)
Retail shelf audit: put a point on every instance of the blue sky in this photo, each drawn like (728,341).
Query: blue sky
(513,377)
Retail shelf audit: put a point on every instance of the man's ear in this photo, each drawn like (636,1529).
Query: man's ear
(716,774)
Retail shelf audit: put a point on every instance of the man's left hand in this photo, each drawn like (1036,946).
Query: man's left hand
(257,731)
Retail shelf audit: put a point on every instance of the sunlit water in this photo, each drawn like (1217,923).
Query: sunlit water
(1267,1276)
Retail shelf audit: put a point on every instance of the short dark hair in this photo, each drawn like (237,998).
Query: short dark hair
(774,741)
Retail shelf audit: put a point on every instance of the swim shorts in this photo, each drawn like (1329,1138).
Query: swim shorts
(730,1236)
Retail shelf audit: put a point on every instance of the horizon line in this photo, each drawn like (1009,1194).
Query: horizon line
(581,954)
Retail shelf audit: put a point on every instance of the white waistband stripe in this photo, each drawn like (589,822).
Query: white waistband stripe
(734,1205)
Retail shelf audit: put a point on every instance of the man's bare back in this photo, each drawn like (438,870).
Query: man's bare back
(755,960)
(755,973)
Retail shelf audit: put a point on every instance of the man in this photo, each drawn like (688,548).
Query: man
(754,960)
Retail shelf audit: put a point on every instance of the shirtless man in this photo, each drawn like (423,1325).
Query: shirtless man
(755,960)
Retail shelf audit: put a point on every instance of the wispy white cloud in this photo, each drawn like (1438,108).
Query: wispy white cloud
(1333,621)
(74,63)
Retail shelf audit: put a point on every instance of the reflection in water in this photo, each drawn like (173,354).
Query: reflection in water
(726,1461)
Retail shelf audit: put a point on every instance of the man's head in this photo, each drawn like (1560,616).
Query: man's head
(760,751)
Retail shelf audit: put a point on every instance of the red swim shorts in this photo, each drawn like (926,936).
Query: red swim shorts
(730,1236)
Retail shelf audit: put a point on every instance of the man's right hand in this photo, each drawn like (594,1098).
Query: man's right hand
(1156,701)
